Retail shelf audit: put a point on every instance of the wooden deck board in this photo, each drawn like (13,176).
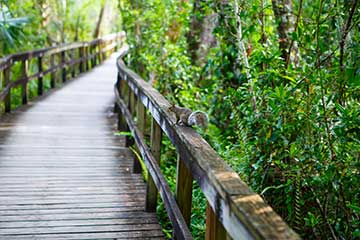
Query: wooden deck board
(63,172)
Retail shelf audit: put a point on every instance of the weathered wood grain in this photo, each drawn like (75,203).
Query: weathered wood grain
(146,234)
(180,228)
(243,213)
(64,174)
(183,195)
(214,228)
(155,148)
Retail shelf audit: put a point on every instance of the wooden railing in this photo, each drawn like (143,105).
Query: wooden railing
(233,210)
(66,60)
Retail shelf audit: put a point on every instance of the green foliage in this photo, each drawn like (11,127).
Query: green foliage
(28,24)
(168,168)
(302,139)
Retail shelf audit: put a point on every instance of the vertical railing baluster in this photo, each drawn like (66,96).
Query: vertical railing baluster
(96,53)
(53,72)
(140,115)
(104,45)
(73,64)
(121,124)
(93,56)
(24,76)
(126,96)
(133,110)
(63,62)
(81,63)
(40,78)
(87,66)
(7,99)
(183,195)
(155,147)
(100,52)
(84,56)
(214,228)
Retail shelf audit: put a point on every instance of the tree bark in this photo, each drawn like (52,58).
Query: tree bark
(98,23)
(77,25)
(243,58)
(344,35)
(194,33)
(200,38)
(283,15)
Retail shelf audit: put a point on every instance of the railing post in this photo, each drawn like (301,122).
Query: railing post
(99,52)
(140,115)
(100,46)
(81,55)
(104,53)
(132,108)
(93,56)
(155,147)
(7,100)
(214,228)
(53,73)
(183,195)
(40,79)
(117,86)
(126,96)
(98,57)
(24,74)
(73,65)
(63,61)
(121,124)
(87,49)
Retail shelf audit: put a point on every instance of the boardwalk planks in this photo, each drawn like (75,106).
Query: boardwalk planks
(63,173)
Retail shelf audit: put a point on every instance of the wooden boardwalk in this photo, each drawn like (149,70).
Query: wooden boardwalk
(63,173)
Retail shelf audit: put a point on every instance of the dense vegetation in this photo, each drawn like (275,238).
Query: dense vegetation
(280,80)
(27,24)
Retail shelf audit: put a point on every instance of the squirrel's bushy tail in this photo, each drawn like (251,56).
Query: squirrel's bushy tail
(198,118)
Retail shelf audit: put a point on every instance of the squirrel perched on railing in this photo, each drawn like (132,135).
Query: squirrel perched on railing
(184,116)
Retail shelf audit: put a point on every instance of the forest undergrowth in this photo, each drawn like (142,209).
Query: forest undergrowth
(279,79)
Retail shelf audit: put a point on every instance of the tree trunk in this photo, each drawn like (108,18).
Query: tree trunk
(98,24)
(200,38)
(193,34)
(283,15)
(76,37)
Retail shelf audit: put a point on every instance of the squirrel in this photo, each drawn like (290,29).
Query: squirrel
(185,116)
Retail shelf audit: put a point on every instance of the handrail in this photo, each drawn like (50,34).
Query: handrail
(233,209)
(159,180)
(67,56)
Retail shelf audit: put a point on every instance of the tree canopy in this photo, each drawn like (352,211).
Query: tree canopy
(26,24)
(279,79)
